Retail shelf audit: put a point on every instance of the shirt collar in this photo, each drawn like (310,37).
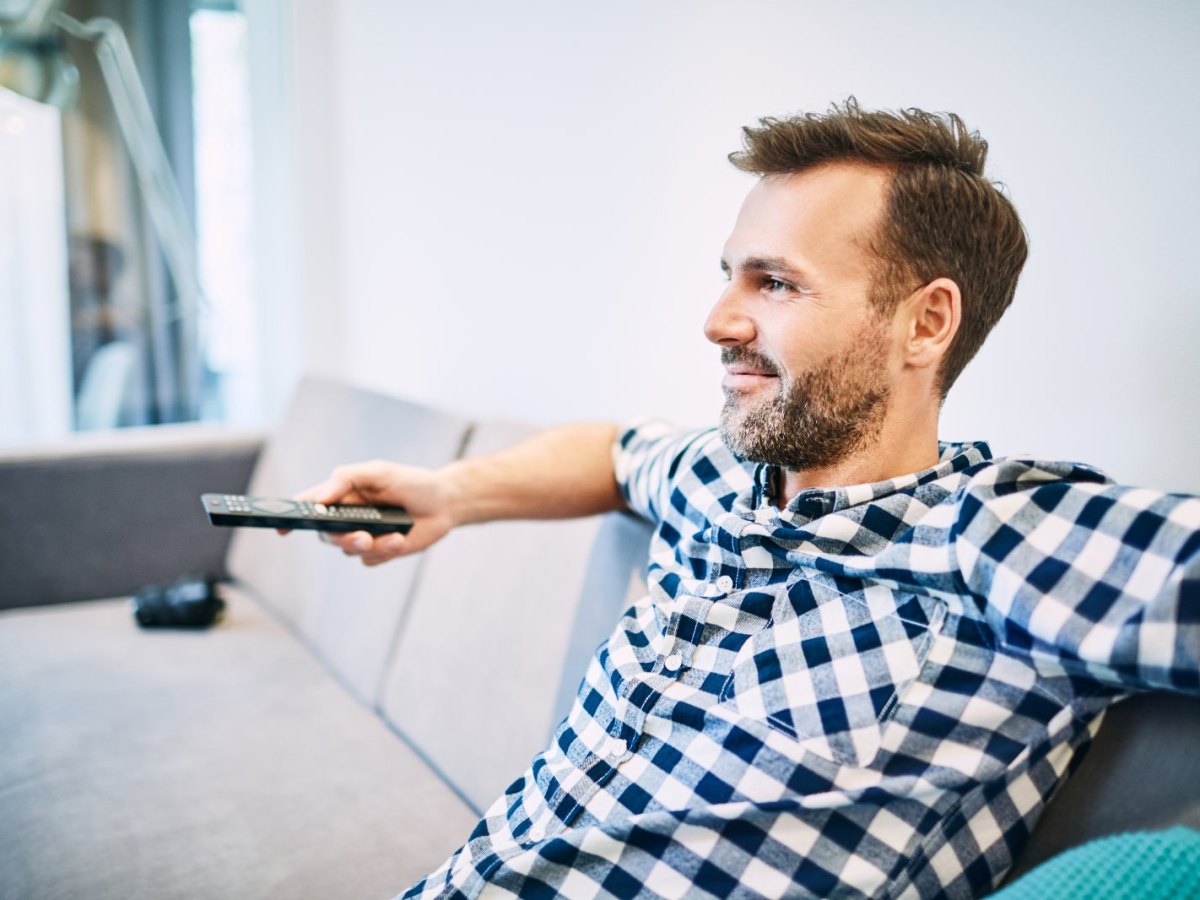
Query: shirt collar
(952,457)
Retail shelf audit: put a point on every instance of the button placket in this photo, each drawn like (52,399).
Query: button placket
(614,749)
(621,713)
(670,643)
(687,628)
(670,657)
(629,714)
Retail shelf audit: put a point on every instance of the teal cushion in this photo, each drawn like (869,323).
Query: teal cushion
(1147,865)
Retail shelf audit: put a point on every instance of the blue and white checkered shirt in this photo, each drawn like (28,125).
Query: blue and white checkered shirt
(872,692)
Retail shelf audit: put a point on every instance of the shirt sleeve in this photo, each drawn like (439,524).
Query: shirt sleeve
(647,456)
(1102,579)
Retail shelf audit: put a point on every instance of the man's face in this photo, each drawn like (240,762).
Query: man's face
(808,359)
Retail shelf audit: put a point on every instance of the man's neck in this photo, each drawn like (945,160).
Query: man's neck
(898,451)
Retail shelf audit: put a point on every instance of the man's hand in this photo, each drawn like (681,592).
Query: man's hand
(557,474)
(423,492)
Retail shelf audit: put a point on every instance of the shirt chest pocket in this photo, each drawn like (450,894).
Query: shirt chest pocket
(829,668)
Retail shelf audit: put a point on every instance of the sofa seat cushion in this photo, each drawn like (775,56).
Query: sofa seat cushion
(225,763)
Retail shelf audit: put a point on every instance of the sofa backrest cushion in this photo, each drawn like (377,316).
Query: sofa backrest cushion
(102,514)
(499,633)
(1141,773)
(348,613)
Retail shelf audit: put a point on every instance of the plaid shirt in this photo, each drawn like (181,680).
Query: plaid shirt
(871,692)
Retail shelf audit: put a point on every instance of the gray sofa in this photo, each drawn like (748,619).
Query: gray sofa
(337,734)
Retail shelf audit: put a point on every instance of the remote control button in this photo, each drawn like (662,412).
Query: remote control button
(274,506)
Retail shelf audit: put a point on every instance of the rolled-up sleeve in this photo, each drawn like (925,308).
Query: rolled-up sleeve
(647,455)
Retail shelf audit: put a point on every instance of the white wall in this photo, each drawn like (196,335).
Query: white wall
(529,200)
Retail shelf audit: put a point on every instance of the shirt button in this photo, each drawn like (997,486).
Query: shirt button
(535,834)
(673,662)
(725,583)
(614,748)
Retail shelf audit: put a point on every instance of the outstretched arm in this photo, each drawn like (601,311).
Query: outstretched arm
(559,473)
(1101,579)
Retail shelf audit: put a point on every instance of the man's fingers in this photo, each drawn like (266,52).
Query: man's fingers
(328,491)
(354,543)
(384,549)
(370,550)
(355,483)
(360,543)
(331,490)
(391,544)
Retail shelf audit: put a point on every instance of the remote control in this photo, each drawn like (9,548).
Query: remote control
(274,512)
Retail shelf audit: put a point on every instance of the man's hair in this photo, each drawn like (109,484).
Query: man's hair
(944,218)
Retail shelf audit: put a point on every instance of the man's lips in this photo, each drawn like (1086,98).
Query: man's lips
(736,369)
(745,377)
(746,370)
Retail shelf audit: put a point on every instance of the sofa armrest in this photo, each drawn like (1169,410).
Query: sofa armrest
(99,515)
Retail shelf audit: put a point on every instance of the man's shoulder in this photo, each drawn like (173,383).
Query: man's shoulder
(660,441)
(1026,470)
(693,465)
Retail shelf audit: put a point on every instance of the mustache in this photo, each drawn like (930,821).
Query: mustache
(747,357)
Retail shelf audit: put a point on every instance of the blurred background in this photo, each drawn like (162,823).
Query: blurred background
(515,210)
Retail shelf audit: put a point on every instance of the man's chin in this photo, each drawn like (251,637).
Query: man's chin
(740,405)
(734,435)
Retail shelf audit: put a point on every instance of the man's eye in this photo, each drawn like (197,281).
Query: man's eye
(775,286)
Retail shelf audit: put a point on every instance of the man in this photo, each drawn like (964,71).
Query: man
(866,658)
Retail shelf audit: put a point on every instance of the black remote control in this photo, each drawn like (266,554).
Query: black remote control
(274,512)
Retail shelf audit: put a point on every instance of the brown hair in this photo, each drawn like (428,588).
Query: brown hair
(944,218)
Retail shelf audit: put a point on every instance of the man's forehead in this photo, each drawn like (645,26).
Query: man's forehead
(830,210)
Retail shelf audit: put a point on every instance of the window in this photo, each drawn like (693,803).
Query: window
(221,105)
(98,330)
(35,387)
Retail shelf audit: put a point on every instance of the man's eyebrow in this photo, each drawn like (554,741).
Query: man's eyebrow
(767,264)
(771,264)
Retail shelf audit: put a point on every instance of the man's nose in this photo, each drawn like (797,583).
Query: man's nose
(727,323)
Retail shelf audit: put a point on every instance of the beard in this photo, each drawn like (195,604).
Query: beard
(816,419)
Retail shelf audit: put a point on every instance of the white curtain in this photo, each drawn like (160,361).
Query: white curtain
(35,356)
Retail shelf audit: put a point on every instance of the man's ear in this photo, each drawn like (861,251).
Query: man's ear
(933,314)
